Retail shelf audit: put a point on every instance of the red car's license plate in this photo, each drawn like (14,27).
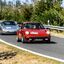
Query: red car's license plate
(38,39)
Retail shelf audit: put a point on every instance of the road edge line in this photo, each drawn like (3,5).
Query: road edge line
(46,56)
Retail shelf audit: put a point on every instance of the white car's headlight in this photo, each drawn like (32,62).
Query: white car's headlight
(27,32)
(48,32)
(4,29)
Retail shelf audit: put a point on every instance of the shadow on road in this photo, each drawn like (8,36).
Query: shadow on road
(52,42)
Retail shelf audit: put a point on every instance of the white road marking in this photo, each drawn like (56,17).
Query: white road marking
(46,56)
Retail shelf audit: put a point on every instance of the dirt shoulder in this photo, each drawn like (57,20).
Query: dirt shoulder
(11,55)
(57,34)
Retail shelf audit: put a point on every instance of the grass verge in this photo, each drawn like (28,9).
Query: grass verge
(57,34)
(23,57)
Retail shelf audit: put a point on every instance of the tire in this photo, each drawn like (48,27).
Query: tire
(23,40)
(18,40)
(48,41)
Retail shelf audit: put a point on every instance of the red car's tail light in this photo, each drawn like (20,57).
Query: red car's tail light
(27,32)
(48,32)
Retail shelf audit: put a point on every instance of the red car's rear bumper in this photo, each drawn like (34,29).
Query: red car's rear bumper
(46,38)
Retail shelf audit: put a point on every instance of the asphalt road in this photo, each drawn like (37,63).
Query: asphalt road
(55,48)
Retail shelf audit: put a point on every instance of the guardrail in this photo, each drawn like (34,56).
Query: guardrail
(58,28)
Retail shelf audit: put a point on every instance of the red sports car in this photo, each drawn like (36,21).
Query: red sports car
(32,31)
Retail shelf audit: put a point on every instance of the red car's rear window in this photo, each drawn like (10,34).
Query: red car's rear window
(33,26)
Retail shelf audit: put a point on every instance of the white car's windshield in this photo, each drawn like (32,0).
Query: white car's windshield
(8,23)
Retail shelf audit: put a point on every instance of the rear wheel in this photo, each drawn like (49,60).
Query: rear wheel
(48,41)
(23,40)
(18,40)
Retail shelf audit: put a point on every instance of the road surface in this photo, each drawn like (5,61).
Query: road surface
(55,48)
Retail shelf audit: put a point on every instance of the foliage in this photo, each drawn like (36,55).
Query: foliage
(49,10)
(39,11)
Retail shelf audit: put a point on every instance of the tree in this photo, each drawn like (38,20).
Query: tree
(1,4)
(18,3)
(4,3)
(27,11)
(10,3)
(45,10)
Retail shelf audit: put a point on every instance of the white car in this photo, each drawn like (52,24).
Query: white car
(8,27)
